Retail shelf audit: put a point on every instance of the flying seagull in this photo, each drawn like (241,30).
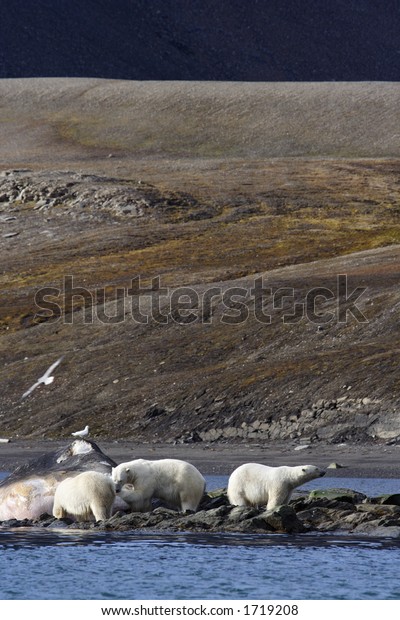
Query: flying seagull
(83,433)
(46,379)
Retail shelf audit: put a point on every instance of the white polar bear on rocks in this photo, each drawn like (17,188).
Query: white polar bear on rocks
(87,495)
(176,482)
(253,484)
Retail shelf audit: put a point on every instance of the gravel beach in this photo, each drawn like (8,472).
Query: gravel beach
(363,461)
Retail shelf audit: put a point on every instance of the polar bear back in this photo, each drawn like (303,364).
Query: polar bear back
(177,482)
(87,495)
(254,484)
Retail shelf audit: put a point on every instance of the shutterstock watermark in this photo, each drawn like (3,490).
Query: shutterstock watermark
(186,305)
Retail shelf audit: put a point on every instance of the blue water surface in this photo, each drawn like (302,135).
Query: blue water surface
(81,565)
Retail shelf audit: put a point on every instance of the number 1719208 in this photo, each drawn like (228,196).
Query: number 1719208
(271,610)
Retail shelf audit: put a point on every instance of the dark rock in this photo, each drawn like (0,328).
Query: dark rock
(282,519)
(343,495)
(317,518)
(165,512)
(131,521)
(192,437)
(214,499)
(242,513)
(215,516)
(84,525)
(213,519)
(214,502)
(44,516)
(353,520)
(376,529)
(393,442)
(256,525)
(217,493)
(153,412)
(323,502)
(9,523)
(340,510)
(57,524)
(44,520)
(379,509)
(393,499)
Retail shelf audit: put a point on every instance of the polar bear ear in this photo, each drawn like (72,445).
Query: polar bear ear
(304,469)
(127,470)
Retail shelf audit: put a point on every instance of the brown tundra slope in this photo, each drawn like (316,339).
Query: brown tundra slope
(261,223)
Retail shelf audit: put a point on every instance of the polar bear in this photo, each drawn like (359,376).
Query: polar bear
(87,495)
(176,482)
(253,484)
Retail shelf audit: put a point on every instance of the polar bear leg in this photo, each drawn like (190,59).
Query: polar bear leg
(238,497)
(100,512)
(278,498)
(191,496)
(58,511)
(187,503)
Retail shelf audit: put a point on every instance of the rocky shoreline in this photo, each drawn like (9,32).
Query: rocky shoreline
(342,511)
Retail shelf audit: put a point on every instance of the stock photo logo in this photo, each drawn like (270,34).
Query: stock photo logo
(145,304)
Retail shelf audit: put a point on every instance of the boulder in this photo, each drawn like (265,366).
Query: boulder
(342,495)
(282,519)
(393,499)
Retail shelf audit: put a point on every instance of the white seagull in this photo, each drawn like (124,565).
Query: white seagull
(83,433)
(46,379)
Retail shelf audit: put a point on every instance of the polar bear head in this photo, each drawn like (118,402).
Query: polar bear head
(305,473)
(129,473)
(120,476)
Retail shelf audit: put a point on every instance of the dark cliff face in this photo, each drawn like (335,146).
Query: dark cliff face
(256,40)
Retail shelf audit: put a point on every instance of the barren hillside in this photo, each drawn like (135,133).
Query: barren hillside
(209,191)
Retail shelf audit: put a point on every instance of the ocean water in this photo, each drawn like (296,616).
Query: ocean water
(44,564)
